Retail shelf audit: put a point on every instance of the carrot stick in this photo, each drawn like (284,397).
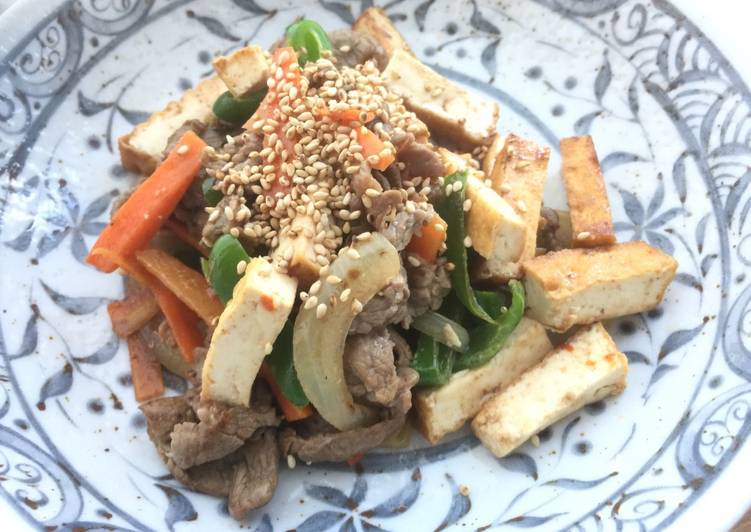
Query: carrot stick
(428,244)
(291,411)
(145,371)
(141,216)
(182,320)
(180,231)
(372,145)
(133,312)
(187,284)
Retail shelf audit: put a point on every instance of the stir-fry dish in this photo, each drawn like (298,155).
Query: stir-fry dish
(335,245)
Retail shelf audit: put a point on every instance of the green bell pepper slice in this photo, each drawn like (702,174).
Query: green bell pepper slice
(433,361)
(237,111)
(308,39)
(487,339)
(281,363)
(451,209)
(211,195)
(222,271)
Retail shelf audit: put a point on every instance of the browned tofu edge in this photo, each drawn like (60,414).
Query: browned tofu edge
(375,22)
(591,219)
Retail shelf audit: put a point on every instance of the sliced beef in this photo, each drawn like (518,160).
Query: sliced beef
(371,371)
(420,160)
(220,429)
(429,283)
(404,225)
(402,350)
(547,230)
(255,476)
(352,48)
(387,307)
(196,126)
(216,448)
(314,440)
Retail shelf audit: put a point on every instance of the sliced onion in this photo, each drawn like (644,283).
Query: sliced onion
(318,343)
(443,330)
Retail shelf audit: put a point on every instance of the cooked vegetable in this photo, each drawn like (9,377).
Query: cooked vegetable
(141,216)
(282,367)
(451,209)
(427,244)
(321,329)
(226,253)
(308,39)
(351,114)
(443,330)
(401,439)
(492,302)
(290,410)
(183,321)
(487,339)
(236,111)
(246,332)
(433,361)
(145,371)
(187,284)
(133,312)
(180,231)
(168,355)
(210,194)
(373,146)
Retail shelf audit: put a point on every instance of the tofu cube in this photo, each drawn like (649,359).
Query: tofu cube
(301,261)
(445,409)
(582,286)
(445,107)
(244,71)
(141,149)
(498,233)
(260,305)
(375,22)
(586,369)
(519,175)
(591,220)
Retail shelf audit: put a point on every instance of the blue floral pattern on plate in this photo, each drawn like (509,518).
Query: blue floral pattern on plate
(671,122)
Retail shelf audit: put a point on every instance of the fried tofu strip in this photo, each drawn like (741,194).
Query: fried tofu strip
(244,71)
(498,233)
(296,248)
(141,149)
(518,176)
(448,110)
(582,286)
(591,220)
(445,409)
(375,22)
(586,369)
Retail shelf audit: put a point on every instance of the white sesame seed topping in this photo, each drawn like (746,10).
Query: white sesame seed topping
(311,302)
(467,242)
(241,267)
(414,261)
(356,306)
(268,348)
(583,235)
(183,149)
(344,296)
(321,310)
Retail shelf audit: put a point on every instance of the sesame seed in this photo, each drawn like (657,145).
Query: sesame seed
(521,206)
(333,279)
(467,242)
(182,150)
(450,266)
(373,193)
(364,236)
(457,186)
(583,235)
(315,287)
(467,205)
(321,310)
(449,190)
(439,227)
(414,261)
(291,462)
(353,253)
(268,348)
(356,306)
(311,302)
(344,296)
(504,188)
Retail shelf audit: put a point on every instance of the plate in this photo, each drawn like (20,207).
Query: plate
(670,118)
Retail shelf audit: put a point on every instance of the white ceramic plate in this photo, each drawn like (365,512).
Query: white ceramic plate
(670,118)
